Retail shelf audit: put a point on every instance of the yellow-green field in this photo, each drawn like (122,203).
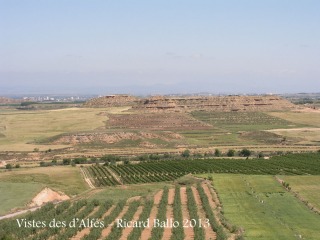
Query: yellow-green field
(60,178)
(14,195)
(307,118)
(20,129)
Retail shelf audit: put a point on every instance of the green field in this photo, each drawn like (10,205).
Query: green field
(239,128)
(60,178)
(15,195)
(261,206)
(307,187)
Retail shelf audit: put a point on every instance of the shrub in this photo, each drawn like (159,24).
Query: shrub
(245,152)
(231,152)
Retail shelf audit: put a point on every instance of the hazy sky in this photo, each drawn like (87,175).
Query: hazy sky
(159,46)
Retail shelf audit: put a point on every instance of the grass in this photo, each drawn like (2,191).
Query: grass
(17,195)
(229,126)
(263,208)
(128,191)
(305,118)
(242,121)
(22,127)
(307,187)
(59,178)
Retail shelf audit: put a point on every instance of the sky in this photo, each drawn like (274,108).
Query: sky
(159,46)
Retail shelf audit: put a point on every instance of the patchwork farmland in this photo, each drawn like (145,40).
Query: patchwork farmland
(232,167)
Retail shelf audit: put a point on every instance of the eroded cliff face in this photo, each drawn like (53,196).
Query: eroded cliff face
(206,103)
(112,101)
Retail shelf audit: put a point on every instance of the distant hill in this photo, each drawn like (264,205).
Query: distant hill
(191,103)
(4,100)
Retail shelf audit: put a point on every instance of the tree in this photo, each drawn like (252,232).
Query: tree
(260,155)
(217,152)
(17,166)
(185,153)
(42,164)
(231,152)
(8,166)
(245,152)
(66,161)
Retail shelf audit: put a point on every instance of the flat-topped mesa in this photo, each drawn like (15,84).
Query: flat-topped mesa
(215,103)
(112,101)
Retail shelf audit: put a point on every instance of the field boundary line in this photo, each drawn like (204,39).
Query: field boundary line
(299,197)
(86,178)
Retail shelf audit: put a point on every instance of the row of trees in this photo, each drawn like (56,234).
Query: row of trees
(218,153)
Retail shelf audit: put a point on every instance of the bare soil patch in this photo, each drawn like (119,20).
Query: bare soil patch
(188,231)
(209,233)
(209,195)
(47,195)
(157,197)
(146,233)
(168,231)
(171,196)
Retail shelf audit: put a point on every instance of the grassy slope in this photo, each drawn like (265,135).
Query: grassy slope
(60,178)
(15,195)
(280,216)
(308,187)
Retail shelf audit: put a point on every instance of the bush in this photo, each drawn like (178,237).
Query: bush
(245,152)
(17,166)
(217,152)
(185,153)
(8,166)
(66,161)
(231,152)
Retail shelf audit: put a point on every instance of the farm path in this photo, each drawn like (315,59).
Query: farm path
(128,230)
(188,231)
(169,214)
(106,231)
(86,178)
(114,175)
(209,195)
(84,231)
(146,233)
(209,233)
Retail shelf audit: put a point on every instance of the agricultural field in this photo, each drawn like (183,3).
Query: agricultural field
(253,198)
(261,206)
(169,170)
(22,130)
(10,191)
(59,178)
(307,188)
(107,218)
